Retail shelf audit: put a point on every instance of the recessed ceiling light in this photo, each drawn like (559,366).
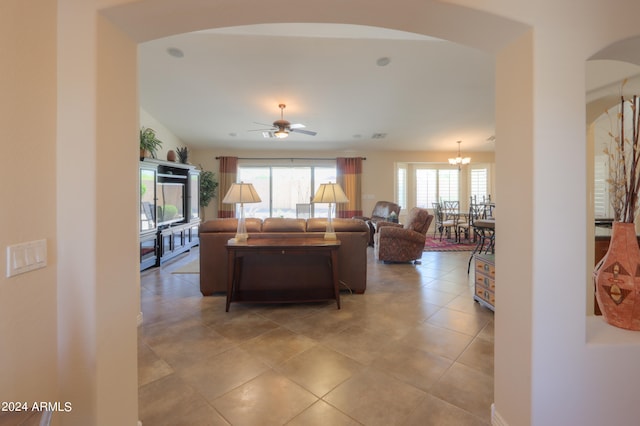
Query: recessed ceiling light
(383,62)
(175,52)
(378,136)
(357,136)
(233,134)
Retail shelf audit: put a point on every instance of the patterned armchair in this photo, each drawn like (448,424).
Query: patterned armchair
(397,243)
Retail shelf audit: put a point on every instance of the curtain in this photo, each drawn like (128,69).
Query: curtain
(349,176)
(228,175)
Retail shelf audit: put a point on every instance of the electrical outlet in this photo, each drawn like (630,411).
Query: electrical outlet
(25,257)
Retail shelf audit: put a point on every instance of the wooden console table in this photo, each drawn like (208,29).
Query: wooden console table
(277,270)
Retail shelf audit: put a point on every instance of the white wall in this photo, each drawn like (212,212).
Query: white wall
(169,140)
(28,191)
(98,263)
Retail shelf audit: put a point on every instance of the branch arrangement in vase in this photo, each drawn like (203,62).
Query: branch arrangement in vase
(624,155)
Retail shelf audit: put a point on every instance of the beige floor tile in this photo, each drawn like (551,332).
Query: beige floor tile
(448,286)
(242,325)
(487,332)
(150,366)
(478,355)
(435,412)
(322,414)
(319,369)
(200,340)
(277,346)
(465,303)
(437,340)
(322,323)
(216,375)
(466,388)
(413,366)
(171,402)
(358,343)
(414,349)
(375,398)
(269,399)
(462,322)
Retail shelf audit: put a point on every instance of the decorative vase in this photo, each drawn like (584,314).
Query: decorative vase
(617,279)
(171,155)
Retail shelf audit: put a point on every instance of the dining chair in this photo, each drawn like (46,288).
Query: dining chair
(444,222)
(467,228)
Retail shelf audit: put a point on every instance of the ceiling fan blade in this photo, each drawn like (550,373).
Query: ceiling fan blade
(306,132)
(297,126)
(264,124)
(268,134)
(270,129)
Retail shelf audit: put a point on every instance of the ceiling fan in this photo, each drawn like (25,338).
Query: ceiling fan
(281,128)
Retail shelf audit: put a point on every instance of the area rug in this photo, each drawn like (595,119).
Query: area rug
(434,244)
(192,267)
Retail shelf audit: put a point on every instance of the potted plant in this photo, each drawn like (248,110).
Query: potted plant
(149,143)
(183,154)
(208,187)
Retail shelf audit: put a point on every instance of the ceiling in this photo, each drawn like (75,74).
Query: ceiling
(431,94)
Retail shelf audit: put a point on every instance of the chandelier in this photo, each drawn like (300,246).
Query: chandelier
(459,160)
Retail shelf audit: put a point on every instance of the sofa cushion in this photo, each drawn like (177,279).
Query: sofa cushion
(339,225)
(282,224)
(231,225)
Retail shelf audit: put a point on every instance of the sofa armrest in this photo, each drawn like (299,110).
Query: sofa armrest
(382,224)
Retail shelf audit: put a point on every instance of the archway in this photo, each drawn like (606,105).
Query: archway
(473,28)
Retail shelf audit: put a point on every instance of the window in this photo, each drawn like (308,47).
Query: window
(479,184)
(282,187)
(434,184)
(426,184)
(600,187)
(401,186)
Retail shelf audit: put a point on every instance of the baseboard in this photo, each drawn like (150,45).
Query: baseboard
(139,319)
(496,419)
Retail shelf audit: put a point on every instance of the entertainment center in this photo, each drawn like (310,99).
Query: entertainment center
(169,210)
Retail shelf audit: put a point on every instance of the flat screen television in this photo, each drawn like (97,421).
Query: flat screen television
(170,204)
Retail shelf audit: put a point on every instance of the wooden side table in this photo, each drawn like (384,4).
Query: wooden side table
(485,280)
(282,270)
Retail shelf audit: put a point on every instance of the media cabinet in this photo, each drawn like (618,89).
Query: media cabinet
(169,210)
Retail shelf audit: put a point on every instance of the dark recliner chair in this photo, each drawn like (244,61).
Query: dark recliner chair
(381,212)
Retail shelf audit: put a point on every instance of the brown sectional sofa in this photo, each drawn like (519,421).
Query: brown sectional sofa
(352,255)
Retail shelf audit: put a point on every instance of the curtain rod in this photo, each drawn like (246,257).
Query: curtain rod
(290,158)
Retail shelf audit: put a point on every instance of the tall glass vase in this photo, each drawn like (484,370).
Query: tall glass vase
(617,279)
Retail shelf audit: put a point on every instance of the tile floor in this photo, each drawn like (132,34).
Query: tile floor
(415,349)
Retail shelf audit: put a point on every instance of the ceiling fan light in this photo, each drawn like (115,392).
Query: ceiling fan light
(281,134)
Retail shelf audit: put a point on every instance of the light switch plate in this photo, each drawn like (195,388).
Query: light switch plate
(25,257)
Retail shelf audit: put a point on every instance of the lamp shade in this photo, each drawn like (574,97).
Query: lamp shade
(330,193)
(241,193)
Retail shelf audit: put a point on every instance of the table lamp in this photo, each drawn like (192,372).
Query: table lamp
(330,193)
(241,193)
